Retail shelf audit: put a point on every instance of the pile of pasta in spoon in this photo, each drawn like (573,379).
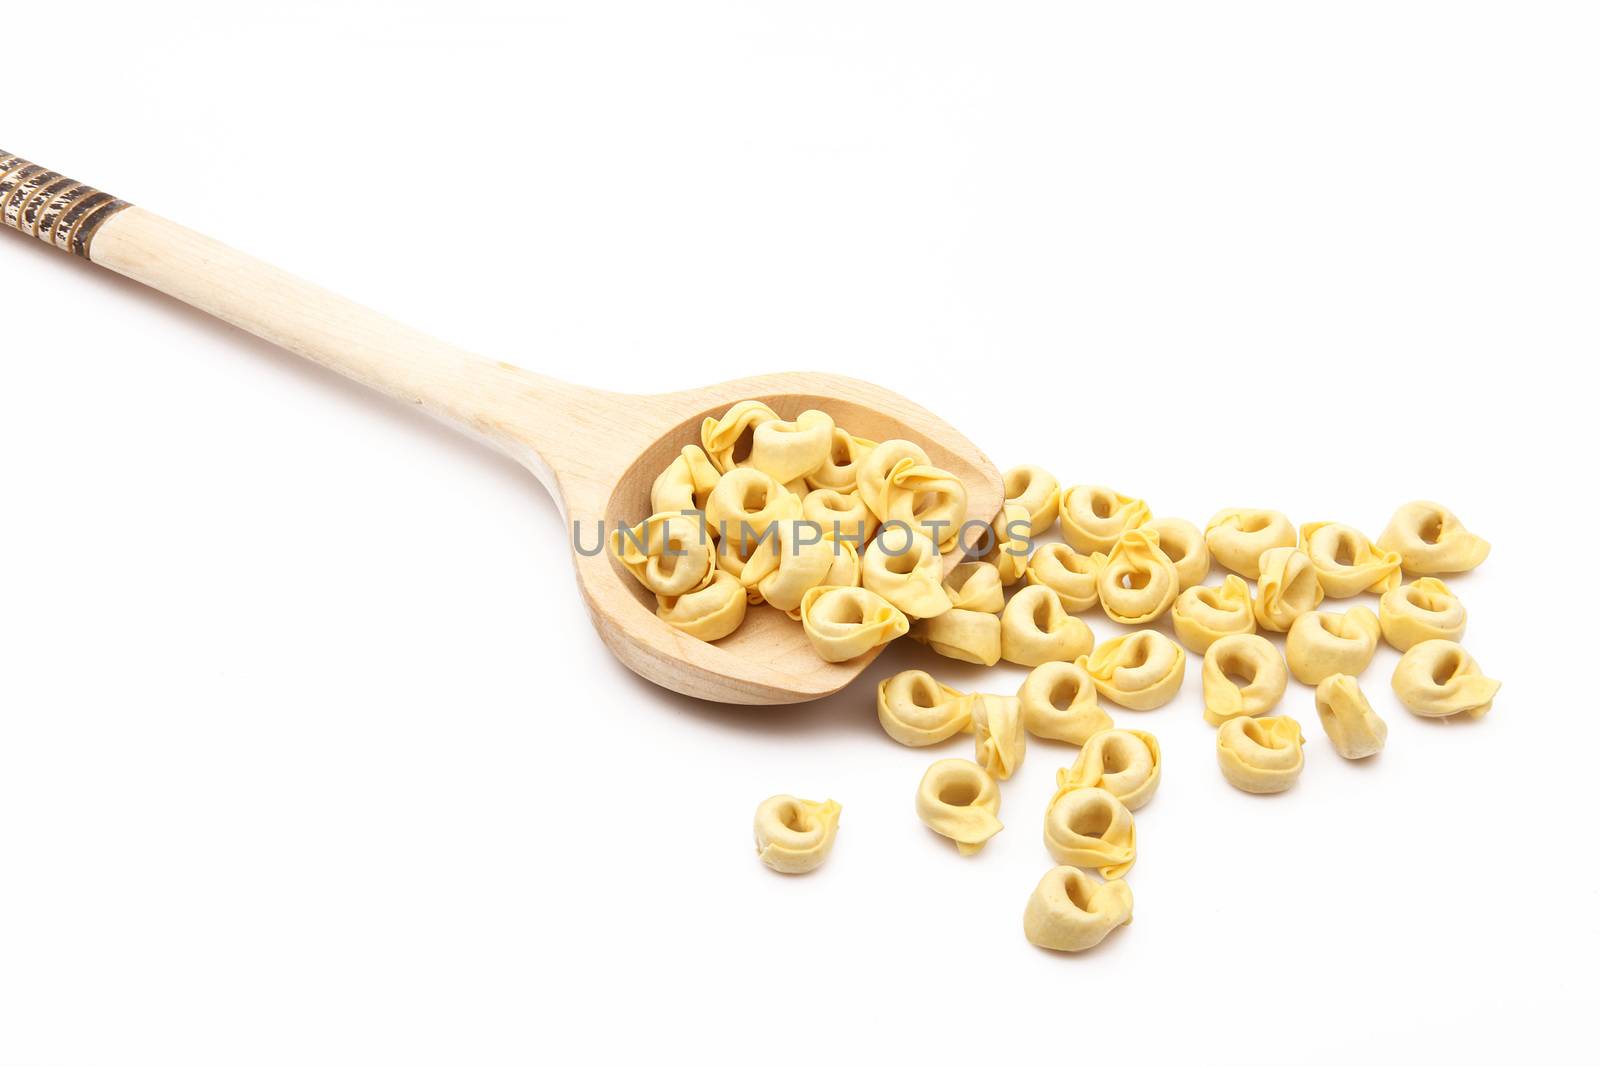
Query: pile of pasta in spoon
(873,573)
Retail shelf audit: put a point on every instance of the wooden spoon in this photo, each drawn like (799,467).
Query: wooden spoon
(596,452)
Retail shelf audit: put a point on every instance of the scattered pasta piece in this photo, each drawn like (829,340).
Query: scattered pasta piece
(1069,911)
(1252,658)
(969,636)
(838,468)
(843,516)
(685,484)
(1321,643)
(1141,670)
(1182,542)
(745,504)
(1009,552)
(711,613)
(1346,562)
(906,570)
(1287,588)
(794,836)
(1263,755)
(1436,679)
(1093,517)
(998,733)
(1037,490)
(916,710)
(1059,701)
(900,484)
(1238,536)
(1203,614)
(668,553)
(959,800)
(1424,610)
(975,586)
(1431,540)
(1071,576)
(1138,583)
(1090,828)
(1347,718)
(1034,629)
(1125,763)
(843,622)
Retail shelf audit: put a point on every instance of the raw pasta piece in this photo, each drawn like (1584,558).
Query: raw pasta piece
(1431,540)
(1287,588)
(997,731)
(711,613)
(1141,670)
(958,799)
(1238,536)
(916,710)
(838,468)
(1069,911)
(1059,701)
(900,484)
(669,554)
(749,562)
(1203,614)
(1244,656)
(1346,562)
(1424,610)
(1350,723)
(1009,550)
(843,623)
(970,636)
(1125,763)
(685,484)
(801,560)
(785,451)
(1182,542)
(1034,629)
(1138,582)
(1090,828)
(905,569)
(721,436)
(1262,755)
(1071,576)
(842,516)
(794,836)
(1093,517)
(975,585)
(1321,643)
(745,504)
(1436,679)
(1037,490)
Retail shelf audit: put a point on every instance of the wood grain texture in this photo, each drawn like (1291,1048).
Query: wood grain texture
(596,452)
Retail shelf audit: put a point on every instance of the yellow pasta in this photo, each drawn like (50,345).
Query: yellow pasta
(1071,576)
(1321,643)
(669,554)
(1346,562)
(711,613)
(685,484)
(916,710)
(1423,610)
(1203,614)
(969,636)
(900,484)
(1090,828)
(838,468)
(1059,701)
(1247,657)
(1238,536)
(1262,755)
(905,569)
(1287,588)
(785,451)
(1069,911)
(794,836)
(1093,517)
(801,559)
(1009,552)
(1138,583)
(1436,679)
(1431,540)
(842,516)
(998,733)
(721,436)
(1034,629)
(1125,763)
(748,563)
(843,623)
(1182,542)
(975,586)
(745,504)
(1349,721)
(958,799)
(1141,670)
(1037,490)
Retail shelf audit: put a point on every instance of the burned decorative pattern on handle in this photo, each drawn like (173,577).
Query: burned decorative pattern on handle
(57,210)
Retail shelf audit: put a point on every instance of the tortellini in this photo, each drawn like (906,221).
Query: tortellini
(1287,588)
(1037,490)
(800,560)
(1431,540)
(685,484)
(1059,701)
(1203,614)
(1138,583)
(1349,721)
(1141,670)
(998,733)
(1071,576)
(1346,562)
(1262,755)
(668,553)
(959,799)
(1252,658)
(711,613)
(1009,552)
(1238,536)
(745,504)
(1182,542)
(906,570)
(1125,763)
(1034,629)
(794,836)
(838,468)
(969,636)
(916,710)
(1321,643)
(1436,679)
(785,451)
(844,622)
(1424,610)
(841,515)
(975,586)
(1090,828)
(1093,517)
(900,484)
(1069,911)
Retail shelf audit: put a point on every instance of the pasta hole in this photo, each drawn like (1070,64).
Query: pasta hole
(744,445)
(1101,506)
(1446,668)
(792,818)
(755,497)
(1092,820)
(1064,692)
(1042,614)
(958,794)
(1237,671)
(1134,580)
(1253,523)
(1431,529)
(1344,553)
(1078,892)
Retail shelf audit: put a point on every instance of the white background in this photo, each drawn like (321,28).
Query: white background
(307,753)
